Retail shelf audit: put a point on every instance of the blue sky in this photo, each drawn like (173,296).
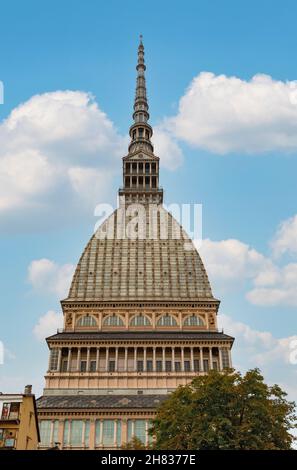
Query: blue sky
(247,185)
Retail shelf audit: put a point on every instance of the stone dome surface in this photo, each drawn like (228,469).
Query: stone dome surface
(165,266)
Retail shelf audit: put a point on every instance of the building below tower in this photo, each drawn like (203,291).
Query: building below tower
(140,318)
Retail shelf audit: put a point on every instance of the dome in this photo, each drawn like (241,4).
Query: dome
(158,267)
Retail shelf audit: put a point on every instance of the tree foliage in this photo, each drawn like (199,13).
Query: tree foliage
(134,444)
(225,411)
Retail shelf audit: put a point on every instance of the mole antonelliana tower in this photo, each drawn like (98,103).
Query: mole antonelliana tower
(140,318)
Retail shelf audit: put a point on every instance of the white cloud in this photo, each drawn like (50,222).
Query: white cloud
(231,261)
(281,291)
(48,325)
(58,155)
(227,114)
(253,348)
(285,240)
(47,276)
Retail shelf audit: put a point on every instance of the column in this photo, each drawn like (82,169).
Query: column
(210,358)
(69,360)
(92,434)
(230,359)
(135,358)
(83,434)
(88,360)
(146,433)
(192,358)
(52,432)
(154,359)
(59,360)
(124,431)
(201,360)
(106,358)
(69,432)
(126,359)
(163,359)
(61,433)
(97,359)
(101,433)
(115,428)
(144,358)
(172,358)
(116,358)
(78,359)
(182,359)
(220,359)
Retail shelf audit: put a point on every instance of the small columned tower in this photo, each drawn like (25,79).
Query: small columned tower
(141,165)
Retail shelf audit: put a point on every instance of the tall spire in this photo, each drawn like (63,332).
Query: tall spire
(140,131)
(141,165)
(140,103)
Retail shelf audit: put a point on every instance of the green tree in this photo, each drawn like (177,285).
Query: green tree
(225,411)
(134,444)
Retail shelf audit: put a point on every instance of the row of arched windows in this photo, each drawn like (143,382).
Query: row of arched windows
(140,320)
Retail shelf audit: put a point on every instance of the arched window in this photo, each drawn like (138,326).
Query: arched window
(167,320)
(113,320)
(86,320)
(140,320)
(193,320)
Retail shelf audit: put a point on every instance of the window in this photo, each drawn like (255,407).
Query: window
(93,366)
(153,168)
(140,167)
(159,366)
(215,365)
(167,320)
(139,366)
(140,132)
(187,366)
(105,432)
(177,366)
(196,365)
(147,168)
(225,358)
(108,432)
(168,366)
(83,366)
(149,366)
(205,365)
(54,357)
(64,365)
(137,428)
(111,366)
(193,320)
(45,432)
(113,320)
(74,431)
(10,410)
(86,320)
(140,320)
